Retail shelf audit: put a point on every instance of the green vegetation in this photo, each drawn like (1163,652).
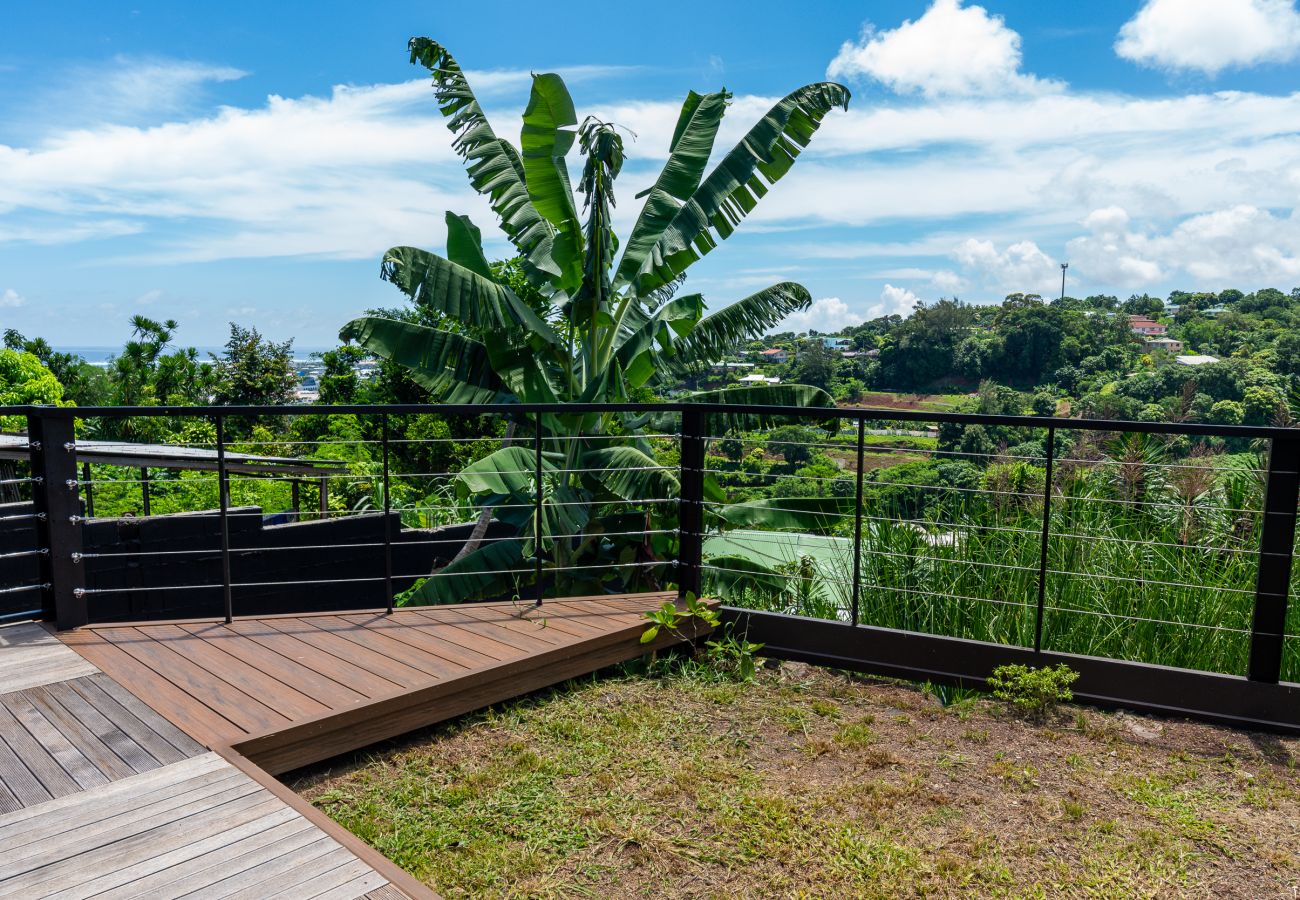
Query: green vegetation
(570,320)
(1033,692)
(805,782)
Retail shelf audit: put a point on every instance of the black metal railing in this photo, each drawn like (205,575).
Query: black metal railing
(383,556)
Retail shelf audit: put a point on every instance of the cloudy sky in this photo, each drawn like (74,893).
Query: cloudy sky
(252,161)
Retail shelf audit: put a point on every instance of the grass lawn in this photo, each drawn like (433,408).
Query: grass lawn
(809,783)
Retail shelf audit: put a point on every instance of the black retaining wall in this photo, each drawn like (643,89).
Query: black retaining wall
(177,573)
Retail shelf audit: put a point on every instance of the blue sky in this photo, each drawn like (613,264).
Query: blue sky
(251,162)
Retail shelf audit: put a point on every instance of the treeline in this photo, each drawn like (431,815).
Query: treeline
(1081,355)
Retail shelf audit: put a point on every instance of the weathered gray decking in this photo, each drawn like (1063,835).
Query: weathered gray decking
(100,796)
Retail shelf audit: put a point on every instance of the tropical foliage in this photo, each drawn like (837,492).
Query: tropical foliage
(578,321)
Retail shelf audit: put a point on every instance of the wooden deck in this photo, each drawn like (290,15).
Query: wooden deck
(143,763)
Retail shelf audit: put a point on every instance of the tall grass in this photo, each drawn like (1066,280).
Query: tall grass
(1151,560)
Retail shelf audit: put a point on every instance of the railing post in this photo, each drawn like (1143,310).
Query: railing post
(58,509)
(1043,548)
(857,519)
(1272,585)
(223,489)
(144,488)
(388,525)
(538,495)
(690,509)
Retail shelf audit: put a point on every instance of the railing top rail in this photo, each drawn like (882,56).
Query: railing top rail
(819,413)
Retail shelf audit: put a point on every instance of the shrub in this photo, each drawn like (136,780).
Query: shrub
(1033,692)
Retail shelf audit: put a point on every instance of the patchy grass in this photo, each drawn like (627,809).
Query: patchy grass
(810,783)
(895,400)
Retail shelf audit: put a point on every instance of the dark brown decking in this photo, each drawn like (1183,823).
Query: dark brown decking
(290,690)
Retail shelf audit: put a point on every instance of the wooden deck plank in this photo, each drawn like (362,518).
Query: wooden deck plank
(18,779)
(284,699)
(237,706)
(497,648)
(325,872)
(376,640)
(408,629)
(130,877)
(260,881)
(30,656)
(14,823)
(78,734)
(82,770)
(532,635)
(143,733)
(398,673)
(195,718)
(52,776)
(517,645)
(9,801)
(146,714)
(348,882)
(333,694)
(135,757)
(387,892)
(59,872)
(288,646)
(80,839)
(216,861)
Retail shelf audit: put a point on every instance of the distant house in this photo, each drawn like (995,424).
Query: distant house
(1169,345)
(759,379)
(1195,360)
(1146,327)
(774,355)
(836,343)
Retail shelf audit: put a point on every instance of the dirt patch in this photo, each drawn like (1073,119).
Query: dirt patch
(813,783)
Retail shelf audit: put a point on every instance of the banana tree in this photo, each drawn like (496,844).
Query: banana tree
(610,326)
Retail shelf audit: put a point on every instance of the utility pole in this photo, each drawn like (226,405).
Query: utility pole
(1064,266)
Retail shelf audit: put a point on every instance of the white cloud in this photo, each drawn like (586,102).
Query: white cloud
(1020,267)
(1238,246)
(11,299)
(894,301)
(149,298)
(950,50)
(825,315)
(1211,35)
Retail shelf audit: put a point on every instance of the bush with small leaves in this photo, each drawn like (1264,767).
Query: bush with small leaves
(1034,693)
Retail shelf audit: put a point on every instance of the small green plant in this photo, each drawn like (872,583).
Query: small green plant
(1033,692)
(733,655)
(669,618)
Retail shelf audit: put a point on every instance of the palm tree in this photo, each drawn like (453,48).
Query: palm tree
(591,325)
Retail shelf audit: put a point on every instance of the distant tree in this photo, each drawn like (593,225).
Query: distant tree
(1227,412)
(1043,404)
(1288,353)
(814,365)
(791,441)
(253,371)
(1261,405)
(1143,305)
(83,384)
(24,380)
(339,382)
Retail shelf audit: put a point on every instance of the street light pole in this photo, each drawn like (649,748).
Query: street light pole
(1064,266)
